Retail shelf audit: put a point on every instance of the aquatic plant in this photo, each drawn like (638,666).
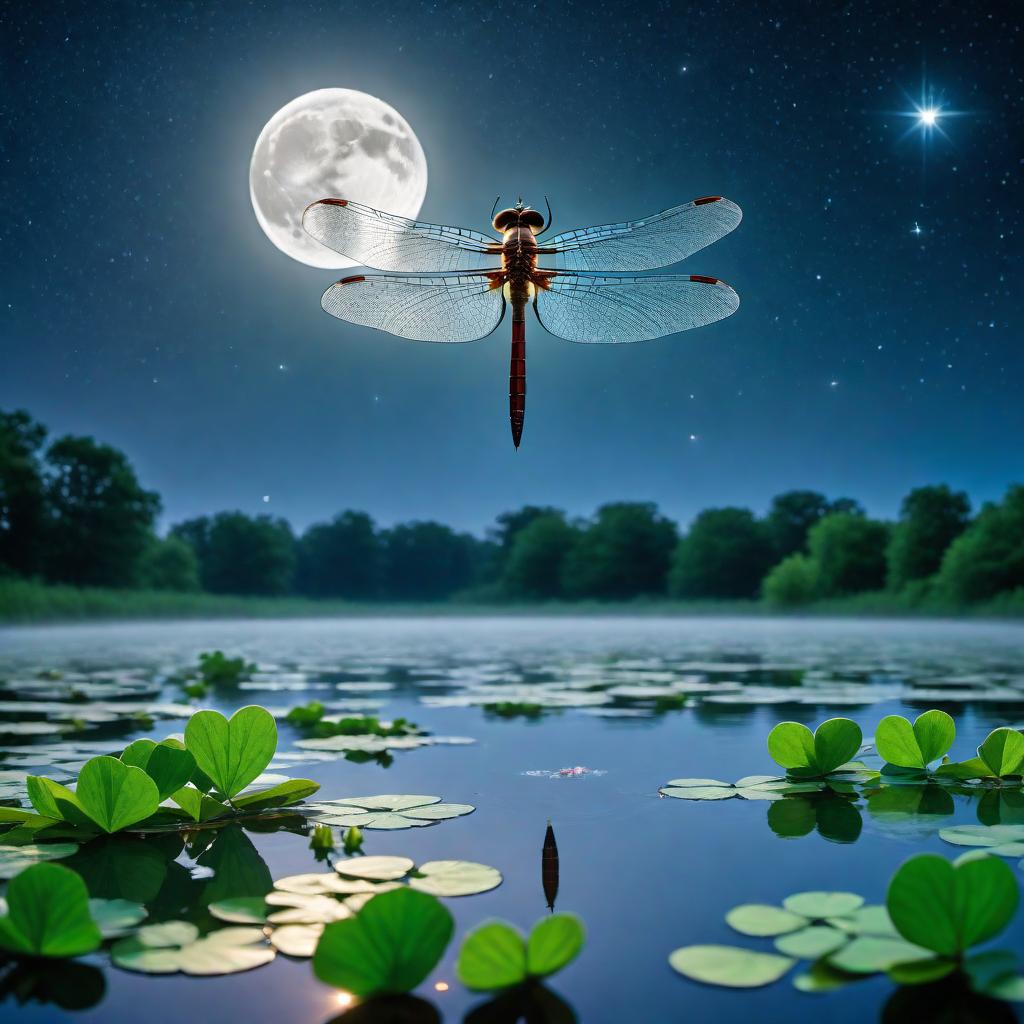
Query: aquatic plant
(915,746)
(48,914)
(1000,757)
(389,811)
(217,669)
(936,912)
(389,948)
(173,946)
(205,777)
(312,718)
(804,754)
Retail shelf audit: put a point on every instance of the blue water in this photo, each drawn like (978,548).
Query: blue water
(646,874)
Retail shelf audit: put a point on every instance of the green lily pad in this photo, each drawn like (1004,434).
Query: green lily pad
(390,947)
(1003,751)
(241,910)
(762,920)
(455,878)
(176,946)
(792,746)
(867,954)
(950,907)
(14,859)
(375,869)
(496,956)
(821,905)
(116,918)
(232,753)
(729,965)
(871,920)
(48,914)
(917,745)
(1003,840)
(298,940)
(812,942)
(389,811)
(298,909)
(115,795)
(168,764)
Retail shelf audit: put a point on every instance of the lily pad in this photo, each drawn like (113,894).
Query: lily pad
(950,907)
(298,940)
(812,942)
(917,745)
(14,859)
(1003,840)
(868,954)
(823,905)
(375,869)
(729,965)
(390,811)
(176,946)
(390,947)
(241,910)
(794,747)
(232,753)
(455,878)
(48,914)
(762,920)
(116,918)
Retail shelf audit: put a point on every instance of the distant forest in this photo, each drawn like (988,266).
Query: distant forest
(73,512)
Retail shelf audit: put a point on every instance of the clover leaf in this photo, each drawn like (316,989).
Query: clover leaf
(115,795)
(48,914)
(232,753)
(394,942)
(496,956)
(794,747)
(168,763)
(917,745)
(1003,752)
(948,907)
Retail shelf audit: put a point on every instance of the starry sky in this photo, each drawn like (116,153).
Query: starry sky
(879,341)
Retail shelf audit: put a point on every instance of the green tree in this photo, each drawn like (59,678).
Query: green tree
(623,552)
(533,568)
(988,558)
(240,554)
(793,582)
(169,564)
(101,519)
(22,493)
(848,551)
(427,561)
(725,553)
(931,518)
(341,558)
(791,516)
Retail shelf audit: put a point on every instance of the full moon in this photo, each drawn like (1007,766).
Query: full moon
(333,143)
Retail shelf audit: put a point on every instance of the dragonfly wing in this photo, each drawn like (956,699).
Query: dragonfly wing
(387,242)
(617,310)
(451,307)
(646,244)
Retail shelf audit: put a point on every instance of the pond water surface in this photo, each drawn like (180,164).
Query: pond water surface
(636,701)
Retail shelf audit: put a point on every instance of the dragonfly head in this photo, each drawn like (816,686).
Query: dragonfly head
(519,216)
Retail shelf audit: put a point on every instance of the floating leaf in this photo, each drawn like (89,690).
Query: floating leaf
(115,795)
(14,859)
(811,943)
(917,745)
(1003,751)
(949,907)
(554,942)
(176,946)
(455,878)
(867,954)
(831,746)
(52,800)
(762,919)
(48,914)
(389,811)
(281,795)
(232,753)
(1003,840)
(240,910)
(921,972)
(375,869)
(394,942)
(168,764)
(492,957)
(297,939)
(729,965)
(821,905)
(115,918)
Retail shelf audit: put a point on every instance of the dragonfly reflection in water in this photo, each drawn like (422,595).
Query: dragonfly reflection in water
(451,284)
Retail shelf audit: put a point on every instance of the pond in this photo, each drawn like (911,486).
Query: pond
(626,703)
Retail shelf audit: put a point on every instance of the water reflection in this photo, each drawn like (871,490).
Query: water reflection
(532,1003)
(946,1002)
(391,1010)
(833,815)
(64,983)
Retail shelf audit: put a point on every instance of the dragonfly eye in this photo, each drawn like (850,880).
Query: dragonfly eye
(506,219)
(532,219)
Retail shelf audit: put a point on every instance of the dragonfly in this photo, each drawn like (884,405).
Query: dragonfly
(450,284)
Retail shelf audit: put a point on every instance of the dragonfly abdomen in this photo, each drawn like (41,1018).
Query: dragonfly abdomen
(517,378)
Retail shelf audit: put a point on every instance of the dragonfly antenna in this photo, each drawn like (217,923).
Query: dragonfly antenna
(548,224)
(495,206)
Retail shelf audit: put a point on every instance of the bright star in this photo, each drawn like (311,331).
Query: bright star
(928,116)
(916,229)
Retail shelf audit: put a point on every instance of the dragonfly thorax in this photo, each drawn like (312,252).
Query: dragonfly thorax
(515,217)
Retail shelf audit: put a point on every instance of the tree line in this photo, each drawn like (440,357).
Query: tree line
(73,511)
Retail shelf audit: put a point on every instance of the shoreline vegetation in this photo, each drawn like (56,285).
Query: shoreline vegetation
(80,538)
(27,602)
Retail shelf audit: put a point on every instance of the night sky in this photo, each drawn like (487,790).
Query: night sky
(878,345)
